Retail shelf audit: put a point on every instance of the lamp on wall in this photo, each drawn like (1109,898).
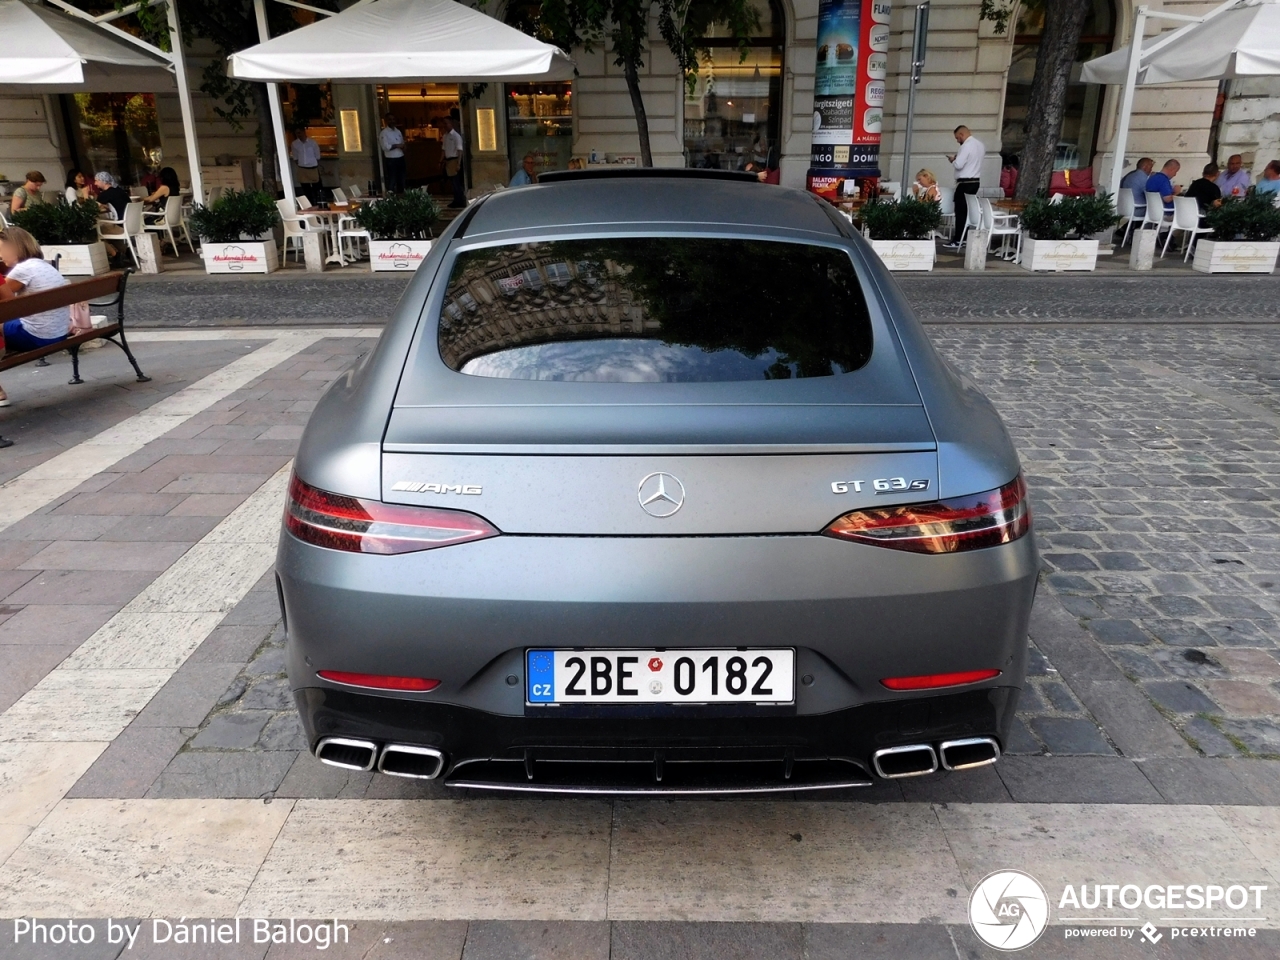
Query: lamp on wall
(350,122)
(486,130)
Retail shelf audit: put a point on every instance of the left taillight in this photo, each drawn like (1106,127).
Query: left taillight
(944,526)
(368,526)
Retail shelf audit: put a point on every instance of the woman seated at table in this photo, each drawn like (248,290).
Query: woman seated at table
(926,186)
(28,193)
(168,187)
(112,201)
(77,188)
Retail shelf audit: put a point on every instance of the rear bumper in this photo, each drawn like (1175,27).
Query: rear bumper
(688,754)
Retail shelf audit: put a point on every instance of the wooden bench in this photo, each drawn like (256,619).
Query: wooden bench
(104,291)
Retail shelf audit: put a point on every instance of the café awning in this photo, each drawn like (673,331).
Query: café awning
(49,52)
(410,40)
(1241,41)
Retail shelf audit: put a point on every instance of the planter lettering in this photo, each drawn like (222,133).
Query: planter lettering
(905,254)
(241,256)
(78,259)
(401,255)
(1059,255)
(1236,256)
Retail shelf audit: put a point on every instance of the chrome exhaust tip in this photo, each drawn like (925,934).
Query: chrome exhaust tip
(969,753)
(346,753)
(416,763)
(894,763)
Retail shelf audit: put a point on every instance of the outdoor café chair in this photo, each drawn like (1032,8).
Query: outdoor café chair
(1003,226)
(1155,215)
(338,195)
(131,228)
(296,229)
(354,191)
(351,234)
(974,220)
(1186,217)
(947,203)
(169,220)
(1127,210)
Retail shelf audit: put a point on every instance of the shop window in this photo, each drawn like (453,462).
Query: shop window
(733,115)
(423,111)
(1080,122)
(540,121)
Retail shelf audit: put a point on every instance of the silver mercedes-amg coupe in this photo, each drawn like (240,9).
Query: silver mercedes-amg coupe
(655,485)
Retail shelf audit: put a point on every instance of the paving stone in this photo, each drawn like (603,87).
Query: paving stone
(270,694)
(652,940)
(1059,696)
(537,940)
(418,940)
(1245,662)
(223,775)
(131,763)
(1198,780)
(258,607)
(1210,739)
(1260,737)
(1066,736)
(1130,721)
(231,643)
(283,732)
(1118,631)
(1075,780)
(1179,696)
(216,505)
(188,697)
(877,941)
(1136,664)
(1192,663)
(107,555)
(161,529)
(1178,633)
(1243,698)
(309,778)
(232,731)
(25,666)
(980,785)
(58,624)
(81,587)
(1021,741)
(268,663)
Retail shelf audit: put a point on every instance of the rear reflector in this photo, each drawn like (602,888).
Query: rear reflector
(944,526)
(932,680)
(377,681)
(368,526)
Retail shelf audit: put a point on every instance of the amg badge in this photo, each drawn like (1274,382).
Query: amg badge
(409,486)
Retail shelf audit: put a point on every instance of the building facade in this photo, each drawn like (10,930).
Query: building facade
(753,109)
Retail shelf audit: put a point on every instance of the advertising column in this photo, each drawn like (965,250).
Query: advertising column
(848,93)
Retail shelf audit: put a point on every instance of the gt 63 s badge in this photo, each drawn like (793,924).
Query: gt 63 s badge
(883,485)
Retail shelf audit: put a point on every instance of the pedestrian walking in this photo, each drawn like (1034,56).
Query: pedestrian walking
(968,166)
(392,142)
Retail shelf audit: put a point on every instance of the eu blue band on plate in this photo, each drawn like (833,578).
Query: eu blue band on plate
(542,676)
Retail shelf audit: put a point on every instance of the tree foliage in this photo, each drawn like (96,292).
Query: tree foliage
(622,26)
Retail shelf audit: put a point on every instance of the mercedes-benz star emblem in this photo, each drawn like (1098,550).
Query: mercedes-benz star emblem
(661,495)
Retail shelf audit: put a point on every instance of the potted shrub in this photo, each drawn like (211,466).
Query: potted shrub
(236,233)
(69,231)
(1246,237)
(400,228)
(902,231)
(1063,235)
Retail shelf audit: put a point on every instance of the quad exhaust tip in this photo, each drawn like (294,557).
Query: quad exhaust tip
(969,753)
(347,753)
(416,763)
(894,763)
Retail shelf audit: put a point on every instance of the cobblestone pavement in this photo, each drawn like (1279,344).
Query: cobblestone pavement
(151,761)
(339,298)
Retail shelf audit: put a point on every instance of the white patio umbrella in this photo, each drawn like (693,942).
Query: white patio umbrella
(1240,38)
(48,52)
(389,40)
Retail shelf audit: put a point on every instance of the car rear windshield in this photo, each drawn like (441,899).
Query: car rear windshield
(654,310)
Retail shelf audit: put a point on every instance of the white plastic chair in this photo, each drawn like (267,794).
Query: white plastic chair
(169,220)
(974,218)
(1186,217)
(351,233)
(1155,215)
(215,193)
(354,192)
(1056,198)
(1003,226)
(338,195)
(1126,212)
(296,229)
(947,203)
(131,227)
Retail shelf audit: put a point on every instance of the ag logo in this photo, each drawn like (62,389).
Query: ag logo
(1008,910)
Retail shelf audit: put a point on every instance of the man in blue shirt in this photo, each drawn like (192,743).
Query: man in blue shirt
(1235,181)
(1136,180)
(1269,182)
(527,173)
(1162,183)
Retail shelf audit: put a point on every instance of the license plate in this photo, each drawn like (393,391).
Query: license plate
(660,676)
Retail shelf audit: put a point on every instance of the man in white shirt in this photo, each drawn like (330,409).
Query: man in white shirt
(392,142)
(306,154)
(452,146)
(968,166)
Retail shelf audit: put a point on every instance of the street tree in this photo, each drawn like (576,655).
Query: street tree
(622,26)
(1063,23)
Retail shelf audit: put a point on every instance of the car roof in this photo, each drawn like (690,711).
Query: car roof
(639,199)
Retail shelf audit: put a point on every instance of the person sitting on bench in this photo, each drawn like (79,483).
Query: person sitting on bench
(28,272)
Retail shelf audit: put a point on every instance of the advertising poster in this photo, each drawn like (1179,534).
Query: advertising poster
(849,92)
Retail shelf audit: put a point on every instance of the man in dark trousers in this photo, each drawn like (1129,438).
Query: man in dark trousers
(968,165)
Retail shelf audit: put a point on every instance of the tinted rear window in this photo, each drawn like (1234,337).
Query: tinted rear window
(654,309)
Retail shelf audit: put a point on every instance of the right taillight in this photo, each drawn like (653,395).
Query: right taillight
(369,526)
(944,526)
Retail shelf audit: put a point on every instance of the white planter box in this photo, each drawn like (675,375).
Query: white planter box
(1236,256)
(1059,254)
(79,260)
(243,256)
(405,255)
(905,254)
